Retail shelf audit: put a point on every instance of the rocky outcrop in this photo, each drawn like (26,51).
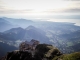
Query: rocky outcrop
(18,55)
(41,53)
(30,46)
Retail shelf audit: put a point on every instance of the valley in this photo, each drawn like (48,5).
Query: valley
(65,36)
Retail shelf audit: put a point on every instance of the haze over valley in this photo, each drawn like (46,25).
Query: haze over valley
(65,36)
(50,22)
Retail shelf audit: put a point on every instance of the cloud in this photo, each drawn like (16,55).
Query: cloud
(71,0)
(65,16)
(72,10)
(4,10)
(75,7)
(40,9)
(66,10)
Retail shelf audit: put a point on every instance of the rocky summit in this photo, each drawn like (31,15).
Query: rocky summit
(41,52)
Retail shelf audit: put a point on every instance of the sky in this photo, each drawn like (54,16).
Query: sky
(50,10)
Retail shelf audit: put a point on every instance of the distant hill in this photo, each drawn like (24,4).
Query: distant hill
(36,33)
(29,33)
(5,25)
(3,20)
(8,23)
(13,34)
(19,22)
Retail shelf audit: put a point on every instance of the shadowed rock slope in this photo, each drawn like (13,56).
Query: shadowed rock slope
(42,52)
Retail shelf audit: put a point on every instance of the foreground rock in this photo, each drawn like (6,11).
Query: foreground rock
(34,51)
(72,56)
(18,55)
(42,52)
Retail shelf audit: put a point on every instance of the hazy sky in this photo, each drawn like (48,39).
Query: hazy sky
(51,10)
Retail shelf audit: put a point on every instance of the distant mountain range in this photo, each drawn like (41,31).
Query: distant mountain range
(19,33)
(63,35)
(19,22)
(5,25)
(8,23)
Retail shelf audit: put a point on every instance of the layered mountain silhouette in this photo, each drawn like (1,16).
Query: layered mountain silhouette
(19,33)
(8,23)
(63,35)
(5,25)
(19,22)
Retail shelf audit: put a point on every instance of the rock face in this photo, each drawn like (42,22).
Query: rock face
(41,53)
(18,55)
(28,46)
